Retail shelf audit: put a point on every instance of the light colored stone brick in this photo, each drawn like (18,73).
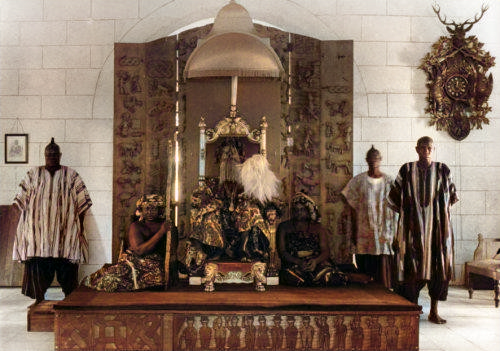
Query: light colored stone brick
(426,29)
(99,251)
(91,32)
(383,28)
(75,154)
(115,9)
(89,130)
(360,7)
(66,57)
(370,53)
(406,54)
(20,106)
(29,57)
(492,202)
(97,178)
(377,104)
(480,178)
(67,10)
(101,154)
(81,81)
(383,79)
(472,202)
(42,82)
(405,105)
(472,154)
(9,82)
(67,107)
(43,33)
(393,129)
(9,33)
(99,54)
(26,10)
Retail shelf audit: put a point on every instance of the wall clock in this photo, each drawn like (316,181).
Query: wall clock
(456,78)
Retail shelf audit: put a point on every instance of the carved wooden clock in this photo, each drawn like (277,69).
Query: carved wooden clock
(456,77)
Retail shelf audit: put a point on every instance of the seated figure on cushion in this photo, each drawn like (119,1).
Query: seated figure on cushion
(141,264)
(229,226)
(206,233)
(304,248)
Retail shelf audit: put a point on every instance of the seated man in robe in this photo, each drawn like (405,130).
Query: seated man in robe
(253,243)
(141,264)
(304,248)
(206,232)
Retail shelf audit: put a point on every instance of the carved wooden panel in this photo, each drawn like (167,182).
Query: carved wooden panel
(309,115)
(250,330)
(110,331)
(292,331)
(336,142)
(320,160)
(145,98)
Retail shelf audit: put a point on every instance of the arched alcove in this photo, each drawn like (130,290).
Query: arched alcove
(309,112)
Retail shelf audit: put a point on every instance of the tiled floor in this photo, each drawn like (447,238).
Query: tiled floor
(473,325)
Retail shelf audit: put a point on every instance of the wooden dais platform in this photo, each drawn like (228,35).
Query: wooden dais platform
(235,317)
(40,317)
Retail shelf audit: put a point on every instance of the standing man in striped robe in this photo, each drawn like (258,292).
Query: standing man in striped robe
(50,238)
(423,194)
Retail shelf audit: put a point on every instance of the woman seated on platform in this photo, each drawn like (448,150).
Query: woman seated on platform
(141,265)
(304,249)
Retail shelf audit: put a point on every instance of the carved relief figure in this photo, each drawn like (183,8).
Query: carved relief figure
(357,335)
(291,333)
(375,333)
(391,332)
(323,332)
(306,333)
(187,339)
(277,333)
(250,332)
(233,340)
(205,333)
(219,333)
(340,333)
(262,339)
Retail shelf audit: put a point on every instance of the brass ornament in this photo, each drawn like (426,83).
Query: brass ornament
(456,78)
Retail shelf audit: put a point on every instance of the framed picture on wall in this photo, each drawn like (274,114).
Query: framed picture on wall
(16,148)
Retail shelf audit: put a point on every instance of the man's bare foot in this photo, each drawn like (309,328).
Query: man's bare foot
(434,318)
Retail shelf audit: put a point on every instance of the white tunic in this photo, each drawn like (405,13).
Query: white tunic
(375,221)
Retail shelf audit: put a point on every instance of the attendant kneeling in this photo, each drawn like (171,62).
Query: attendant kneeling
(304,249)
(141,265)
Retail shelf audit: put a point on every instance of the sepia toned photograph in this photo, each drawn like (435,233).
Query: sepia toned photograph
(16,148)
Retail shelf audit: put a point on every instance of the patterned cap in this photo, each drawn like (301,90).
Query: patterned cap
(151,199)
(301,198)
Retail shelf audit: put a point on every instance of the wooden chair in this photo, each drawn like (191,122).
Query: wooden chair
(486,263)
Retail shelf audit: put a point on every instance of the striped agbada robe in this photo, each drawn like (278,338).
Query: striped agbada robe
(424,238)
(49,225)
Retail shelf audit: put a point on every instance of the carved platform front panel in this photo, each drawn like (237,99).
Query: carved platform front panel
(251,330)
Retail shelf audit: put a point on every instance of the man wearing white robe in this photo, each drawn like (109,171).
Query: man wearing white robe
(375,222)
(50,236)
